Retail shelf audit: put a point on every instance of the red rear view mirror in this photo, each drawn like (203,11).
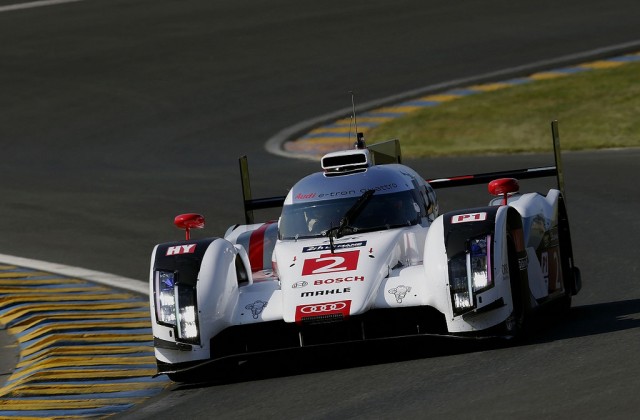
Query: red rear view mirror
(504,187)
(189,221)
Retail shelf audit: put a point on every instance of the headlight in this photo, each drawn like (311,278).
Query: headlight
(460,284)
(176,306)
(165,286)
(480,263)
(470,273)
(187,316)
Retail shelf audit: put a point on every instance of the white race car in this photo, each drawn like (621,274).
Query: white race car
(361,253)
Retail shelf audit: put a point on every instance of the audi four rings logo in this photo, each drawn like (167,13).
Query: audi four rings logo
(322,309)
(325,307)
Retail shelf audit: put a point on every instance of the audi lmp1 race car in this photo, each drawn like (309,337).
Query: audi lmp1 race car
(360,252)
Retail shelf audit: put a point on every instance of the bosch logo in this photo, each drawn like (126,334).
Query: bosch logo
(299,284)
(338,280)
(325,307)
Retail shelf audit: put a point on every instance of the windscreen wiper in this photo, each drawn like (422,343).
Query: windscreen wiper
(349,216)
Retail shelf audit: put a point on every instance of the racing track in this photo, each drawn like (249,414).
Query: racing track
(116,116)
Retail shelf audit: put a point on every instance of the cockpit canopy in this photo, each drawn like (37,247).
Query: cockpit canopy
(319,202)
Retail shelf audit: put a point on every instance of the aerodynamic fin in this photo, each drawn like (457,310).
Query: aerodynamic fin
(251,204)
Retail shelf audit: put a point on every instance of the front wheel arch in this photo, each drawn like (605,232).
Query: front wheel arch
(571,281)
(517,324)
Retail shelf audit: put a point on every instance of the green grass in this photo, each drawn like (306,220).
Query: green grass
(595,109)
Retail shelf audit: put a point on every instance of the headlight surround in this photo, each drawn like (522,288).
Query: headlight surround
(176,306)
(470,273)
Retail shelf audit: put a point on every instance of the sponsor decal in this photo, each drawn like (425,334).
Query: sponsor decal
(469,217)
(379,188)
(544,264)
(299,285)
(181,249)
(342,307)
(256,308)
(336,246)
(551,269)
(505,269)
(310,196)
(344,193)
(330,263)
(523,263)
(336,194)
(326,292)
(338,280)
(400,292)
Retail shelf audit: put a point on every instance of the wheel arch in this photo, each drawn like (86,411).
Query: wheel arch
(521,298)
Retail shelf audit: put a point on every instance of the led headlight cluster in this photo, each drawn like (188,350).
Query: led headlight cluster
(187,317)
(176,306)
(165,297)
(470,273)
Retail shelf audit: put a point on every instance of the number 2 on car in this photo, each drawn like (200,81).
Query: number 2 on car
(330,263)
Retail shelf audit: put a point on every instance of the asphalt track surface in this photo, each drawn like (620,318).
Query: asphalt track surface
(115,116)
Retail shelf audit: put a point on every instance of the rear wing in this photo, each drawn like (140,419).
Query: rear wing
(389,152)
(540,172)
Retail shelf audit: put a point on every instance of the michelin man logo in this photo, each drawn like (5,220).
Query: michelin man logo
(400,292)
(256,308)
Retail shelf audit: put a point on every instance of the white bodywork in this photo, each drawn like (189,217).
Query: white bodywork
(395,268)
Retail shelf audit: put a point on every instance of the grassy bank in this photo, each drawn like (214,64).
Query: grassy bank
(595,109)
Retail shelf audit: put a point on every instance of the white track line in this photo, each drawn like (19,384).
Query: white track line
(33,4)
(77,272)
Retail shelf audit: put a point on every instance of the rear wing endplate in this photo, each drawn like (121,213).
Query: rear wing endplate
(251,204)
(386,152)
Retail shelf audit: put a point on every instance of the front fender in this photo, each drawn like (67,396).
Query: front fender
(206,268)
(448,252)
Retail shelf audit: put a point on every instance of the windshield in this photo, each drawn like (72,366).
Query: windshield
(379,212)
